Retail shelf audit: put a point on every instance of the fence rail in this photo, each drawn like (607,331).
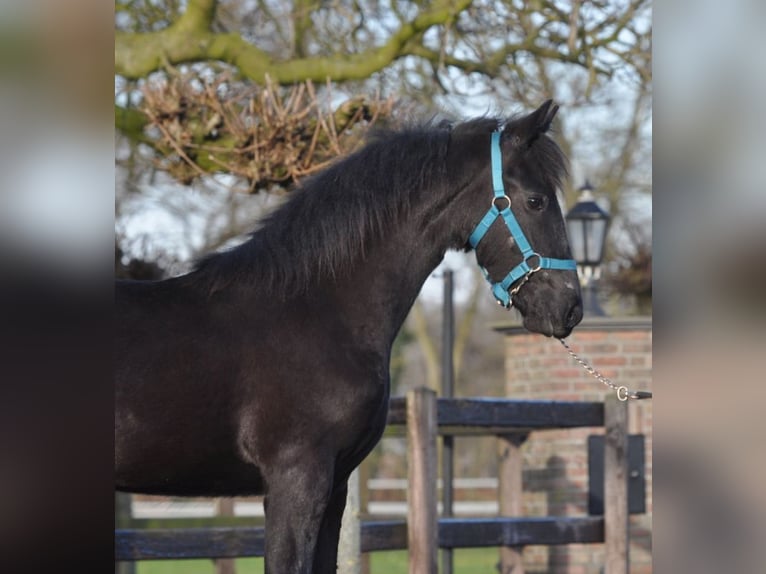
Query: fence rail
(424,416)
(242,542)
(498,416)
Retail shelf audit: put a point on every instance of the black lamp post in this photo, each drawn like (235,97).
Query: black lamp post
(587,225)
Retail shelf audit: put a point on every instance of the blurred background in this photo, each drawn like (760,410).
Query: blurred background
(115,136)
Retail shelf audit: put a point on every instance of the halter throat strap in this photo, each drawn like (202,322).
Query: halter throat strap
(501,207)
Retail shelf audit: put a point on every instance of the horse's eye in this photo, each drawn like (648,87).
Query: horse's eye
(536,202)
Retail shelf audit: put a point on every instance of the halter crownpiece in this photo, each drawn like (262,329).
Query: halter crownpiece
(524,270)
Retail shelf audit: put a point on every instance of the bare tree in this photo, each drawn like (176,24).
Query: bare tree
(419,52)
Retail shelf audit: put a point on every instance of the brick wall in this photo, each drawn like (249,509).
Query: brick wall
(555,470)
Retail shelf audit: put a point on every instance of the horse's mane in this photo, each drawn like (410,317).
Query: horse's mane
(331,218)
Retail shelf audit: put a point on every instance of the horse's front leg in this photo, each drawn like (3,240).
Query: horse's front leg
(296,502)
(326,559)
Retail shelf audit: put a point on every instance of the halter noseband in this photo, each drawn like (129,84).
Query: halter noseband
(523,270)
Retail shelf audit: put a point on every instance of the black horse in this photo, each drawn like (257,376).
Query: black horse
(266,369)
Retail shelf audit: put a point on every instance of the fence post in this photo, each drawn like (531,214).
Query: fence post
(510,492)
(122,519)
(224,507)
(447,392)
(349,548)
(616,485)
(422,525)
(364,505)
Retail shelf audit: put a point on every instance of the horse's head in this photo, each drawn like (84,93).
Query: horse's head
(524,250)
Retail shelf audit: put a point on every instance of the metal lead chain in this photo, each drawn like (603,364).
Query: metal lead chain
(520,285)
(524,279)
(623,393)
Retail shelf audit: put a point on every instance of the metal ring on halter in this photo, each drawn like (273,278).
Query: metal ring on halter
(622,393)
(504,196)
(539,262)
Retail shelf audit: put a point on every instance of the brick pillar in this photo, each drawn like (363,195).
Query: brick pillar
(556,461)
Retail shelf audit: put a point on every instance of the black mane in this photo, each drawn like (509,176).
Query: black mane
(312,236)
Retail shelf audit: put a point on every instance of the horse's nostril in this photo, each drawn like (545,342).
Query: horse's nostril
(575,316)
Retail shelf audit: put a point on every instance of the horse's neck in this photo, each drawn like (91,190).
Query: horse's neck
(379,293)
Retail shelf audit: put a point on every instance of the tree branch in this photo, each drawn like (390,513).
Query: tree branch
(131,122)
(190,40)
(196,132)
(492,63)
(199,15)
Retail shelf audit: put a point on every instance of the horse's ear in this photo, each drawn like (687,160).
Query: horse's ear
(524,131)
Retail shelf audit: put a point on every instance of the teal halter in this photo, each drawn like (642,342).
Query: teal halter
(523,270)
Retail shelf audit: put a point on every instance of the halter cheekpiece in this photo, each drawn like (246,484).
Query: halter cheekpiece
(533,261)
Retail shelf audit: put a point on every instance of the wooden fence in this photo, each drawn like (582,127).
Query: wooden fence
(423,533)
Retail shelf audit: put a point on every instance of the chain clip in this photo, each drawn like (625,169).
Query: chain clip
(623,393)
